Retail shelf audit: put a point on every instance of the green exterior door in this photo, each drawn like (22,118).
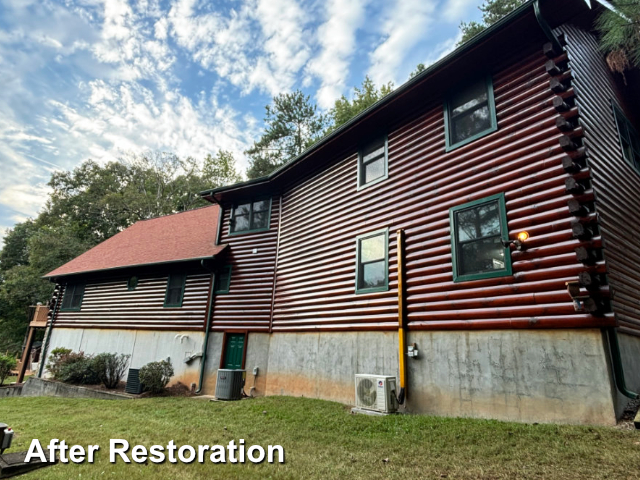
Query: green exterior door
(234,351)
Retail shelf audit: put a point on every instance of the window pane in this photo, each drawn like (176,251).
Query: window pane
(176,281)
(260,220)
(478,222)
(372,249)
(223,280)
(470,124)
(469,98)
(373,275)
(481,256)
(626,149)
(174,296)
(241,223)
(371,153)
(243,209)
(261,206)
(374,170)
(76,300)
(68,295)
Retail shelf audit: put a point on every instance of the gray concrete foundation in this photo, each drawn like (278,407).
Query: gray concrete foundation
(144,346)
(560,376)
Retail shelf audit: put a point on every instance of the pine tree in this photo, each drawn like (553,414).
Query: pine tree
(492,11)
(292,125)
(620,34)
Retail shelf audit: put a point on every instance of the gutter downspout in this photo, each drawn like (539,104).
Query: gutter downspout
(557,47)
(205,343)
(401,310)
(618,369)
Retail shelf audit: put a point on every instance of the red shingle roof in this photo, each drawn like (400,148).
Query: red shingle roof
(181,236)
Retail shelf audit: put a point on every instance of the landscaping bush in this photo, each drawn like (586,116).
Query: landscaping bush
(7,363)
(111,368)
(57,359)
(156,375)
(79,369)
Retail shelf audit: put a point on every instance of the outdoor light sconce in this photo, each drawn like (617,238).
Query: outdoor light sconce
(518,242)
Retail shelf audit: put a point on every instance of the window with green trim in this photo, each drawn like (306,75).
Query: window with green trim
(470,113)
(73,295)
(629,139)
(372,262)
(477,233)
(251,216)
(223,280)
(373,163)
(175,290)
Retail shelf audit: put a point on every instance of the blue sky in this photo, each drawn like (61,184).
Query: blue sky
(98,79)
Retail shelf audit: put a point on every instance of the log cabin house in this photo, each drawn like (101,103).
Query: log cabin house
(404,230)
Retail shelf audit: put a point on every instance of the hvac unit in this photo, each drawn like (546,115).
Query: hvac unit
(229,384)
(376,393)
(133,382)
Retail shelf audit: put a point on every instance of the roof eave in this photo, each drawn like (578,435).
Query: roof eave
(458,52)
(139,265)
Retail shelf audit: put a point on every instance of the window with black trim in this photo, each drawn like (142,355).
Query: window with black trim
(373,162)
(175,290)
(223,280)
(629,139)
(372,262)
(132,283)
(470,113)
(73,295)
(477,232)
(251,216)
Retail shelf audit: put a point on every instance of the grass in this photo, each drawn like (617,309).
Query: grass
(321,440)
(13,378)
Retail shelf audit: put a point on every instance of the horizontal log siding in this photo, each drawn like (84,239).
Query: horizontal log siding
(322,216)
(616,184)
(110,304)
(247,306)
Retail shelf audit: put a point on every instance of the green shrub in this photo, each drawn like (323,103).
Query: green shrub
(79,369)
(7,363)
(111,368)
(156,375)
(57,359)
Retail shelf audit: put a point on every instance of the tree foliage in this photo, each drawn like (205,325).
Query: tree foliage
(86,206)
(363,97)
(620,34)
(492,11)
(292,124)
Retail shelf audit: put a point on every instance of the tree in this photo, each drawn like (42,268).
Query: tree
(492,11)
(363,97)
(86,206)
(620,34)
(292,125)
(419,68)
(220,170)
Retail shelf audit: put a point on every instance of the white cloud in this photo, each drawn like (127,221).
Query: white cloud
(442,49)
(23,198)
(405,25)
(337,39)
(455,10)
(263,45)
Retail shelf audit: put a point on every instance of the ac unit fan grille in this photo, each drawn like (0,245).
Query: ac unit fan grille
(367,393)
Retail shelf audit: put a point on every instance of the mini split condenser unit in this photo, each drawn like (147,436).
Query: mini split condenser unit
(376,393)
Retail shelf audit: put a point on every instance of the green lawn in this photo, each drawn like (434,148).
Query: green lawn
(13,378)
(321,440)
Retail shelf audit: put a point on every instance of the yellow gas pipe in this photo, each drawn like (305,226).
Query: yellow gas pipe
(401,310)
